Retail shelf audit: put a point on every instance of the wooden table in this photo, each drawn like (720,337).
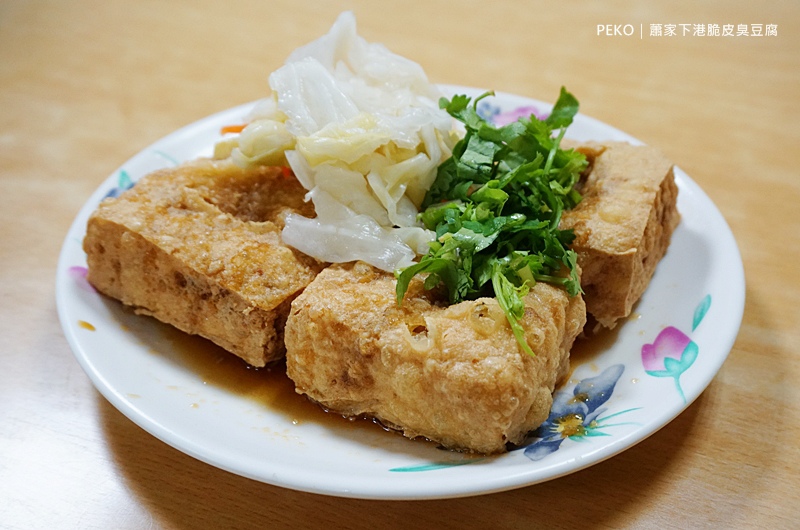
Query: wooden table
(85,85)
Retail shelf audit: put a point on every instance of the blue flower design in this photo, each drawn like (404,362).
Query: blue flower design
(124,183)
(487,110)
(576,415)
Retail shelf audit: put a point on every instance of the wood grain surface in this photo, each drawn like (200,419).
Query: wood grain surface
(85,85)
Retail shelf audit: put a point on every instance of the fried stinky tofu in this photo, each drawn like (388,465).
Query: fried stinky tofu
(452,374)
(199,247)
(623,225)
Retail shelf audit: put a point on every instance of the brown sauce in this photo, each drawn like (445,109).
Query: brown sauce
(268,386)
(272,388)
(588,347)
(86,325)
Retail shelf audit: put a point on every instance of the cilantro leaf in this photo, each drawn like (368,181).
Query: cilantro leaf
(496,205)
(564,111)
(509,297)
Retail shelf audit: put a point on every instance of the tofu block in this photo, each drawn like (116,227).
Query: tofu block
(198,247)
(452,374)
(623,225)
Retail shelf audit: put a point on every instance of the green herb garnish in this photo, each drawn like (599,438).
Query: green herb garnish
(495,207)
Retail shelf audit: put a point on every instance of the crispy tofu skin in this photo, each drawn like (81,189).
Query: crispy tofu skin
(199,247)
(454,375)
(622,226)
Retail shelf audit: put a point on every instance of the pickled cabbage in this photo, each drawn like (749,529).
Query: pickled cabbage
(362,131)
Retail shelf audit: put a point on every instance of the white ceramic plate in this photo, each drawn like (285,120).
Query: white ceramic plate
(228,417)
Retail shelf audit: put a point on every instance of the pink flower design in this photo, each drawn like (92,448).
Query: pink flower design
(504,118)
(79,275)
(670,344)
(671,354)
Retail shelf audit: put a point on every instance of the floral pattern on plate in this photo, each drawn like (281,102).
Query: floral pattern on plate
(673,352)
(576,415)
(498,117)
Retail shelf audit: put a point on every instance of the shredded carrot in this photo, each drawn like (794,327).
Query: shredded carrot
(232,129)
(286,171)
